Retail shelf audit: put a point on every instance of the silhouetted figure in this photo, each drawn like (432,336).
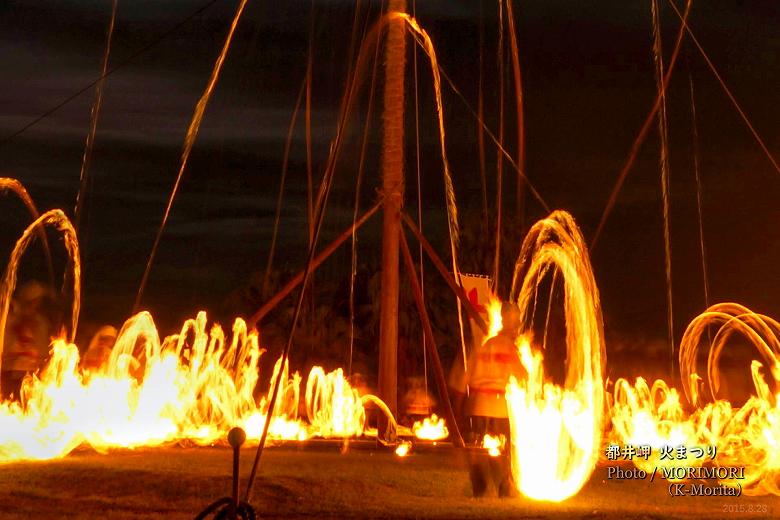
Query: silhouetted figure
(99,349)
(34,318)
(418,402)
(486,377)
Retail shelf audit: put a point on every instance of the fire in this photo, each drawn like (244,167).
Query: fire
(334,408)
(556,431)
(403,448)
(652,416)
(748,436)
(493,445)
(192,386)
(495,322)
(281,428)
(431,428)
(195,385)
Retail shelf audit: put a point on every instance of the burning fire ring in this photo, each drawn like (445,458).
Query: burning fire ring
(556,431)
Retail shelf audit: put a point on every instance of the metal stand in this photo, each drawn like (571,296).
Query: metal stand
(231,508)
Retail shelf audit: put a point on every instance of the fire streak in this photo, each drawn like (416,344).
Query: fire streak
(556,431)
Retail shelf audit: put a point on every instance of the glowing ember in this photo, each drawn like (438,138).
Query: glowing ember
(402,450)
(431,428)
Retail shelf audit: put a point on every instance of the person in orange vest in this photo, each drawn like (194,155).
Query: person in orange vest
(489,367)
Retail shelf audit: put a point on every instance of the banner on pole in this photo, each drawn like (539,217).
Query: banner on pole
(477,289)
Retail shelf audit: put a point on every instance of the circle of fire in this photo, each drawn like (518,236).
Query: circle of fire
(556,431)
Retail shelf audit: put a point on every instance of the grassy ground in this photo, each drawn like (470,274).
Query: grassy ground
(321,483)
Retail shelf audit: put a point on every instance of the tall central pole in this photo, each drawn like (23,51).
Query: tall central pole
(393,191)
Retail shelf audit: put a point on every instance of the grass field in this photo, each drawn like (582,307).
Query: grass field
(320,483)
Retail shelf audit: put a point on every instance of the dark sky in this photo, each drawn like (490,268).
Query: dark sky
(588,85)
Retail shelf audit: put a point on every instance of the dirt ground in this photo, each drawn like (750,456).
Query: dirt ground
(320,482)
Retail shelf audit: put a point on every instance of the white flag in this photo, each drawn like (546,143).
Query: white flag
(477,289)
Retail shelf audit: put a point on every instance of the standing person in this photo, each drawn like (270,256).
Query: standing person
(489,368)
(33,320)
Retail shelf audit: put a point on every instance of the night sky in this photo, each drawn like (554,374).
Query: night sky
(588,85)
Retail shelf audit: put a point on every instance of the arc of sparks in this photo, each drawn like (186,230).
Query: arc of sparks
(61,223)
(189,142)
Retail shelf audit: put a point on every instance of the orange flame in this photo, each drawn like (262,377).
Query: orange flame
(493,445)
(747,437)
(495,322)
(197,384)
(430,428)
(556,431)
(403,448)
(194,385)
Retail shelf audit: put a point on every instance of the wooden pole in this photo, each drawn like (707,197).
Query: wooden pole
(321,257)
(393,192)
(433,353)
(439,264)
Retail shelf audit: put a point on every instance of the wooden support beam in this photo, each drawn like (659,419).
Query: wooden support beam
(321,257)
(432,351)
(392,162)
(439,264)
